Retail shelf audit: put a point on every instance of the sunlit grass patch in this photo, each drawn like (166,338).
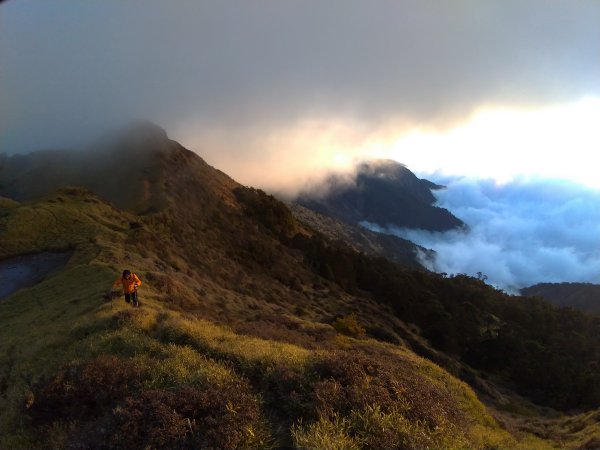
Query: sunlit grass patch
(221,342)
(460,391)
(485,438)
(349,325)
(371,427)
(182,365)
(332,434)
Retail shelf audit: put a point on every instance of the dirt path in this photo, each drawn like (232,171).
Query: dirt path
(24,271)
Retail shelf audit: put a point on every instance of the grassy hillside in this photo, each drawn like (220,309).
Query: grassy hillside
(77,370)
(257,332)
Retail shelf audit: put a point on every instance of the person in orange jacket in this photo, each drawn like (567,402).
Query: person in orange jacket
(129,282)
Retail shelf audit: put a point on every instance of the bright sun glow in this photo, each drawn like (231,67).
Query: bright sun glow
(498,143)
(561,142)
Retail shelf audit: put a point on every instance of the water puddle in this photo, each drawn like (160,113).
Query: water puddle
(25,271)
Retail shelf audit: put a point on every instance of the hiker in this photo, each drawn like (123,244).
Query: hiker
(129,282)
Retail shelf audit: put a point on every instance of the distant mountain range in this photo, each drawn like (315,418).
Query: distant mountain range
(583,296)
(383,192)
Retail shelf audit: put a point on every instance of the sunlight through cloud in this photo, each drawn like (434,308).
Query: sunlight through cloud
(503,143)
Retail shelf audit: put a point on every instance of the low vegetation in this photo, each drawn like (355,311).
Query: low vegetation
(255,332)
(548,354)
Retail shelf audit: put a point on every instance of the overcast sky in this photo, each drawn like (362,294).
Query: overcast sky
(255,85)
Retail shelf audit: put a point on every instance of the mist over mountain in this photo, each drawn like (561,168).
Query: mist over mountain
(519,233)
(117,166)
(382,192)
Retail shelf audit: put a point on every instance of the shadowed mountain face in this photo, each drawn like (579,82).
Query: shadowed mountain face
(583,296)
(360,239)
(383,192)
(135,170)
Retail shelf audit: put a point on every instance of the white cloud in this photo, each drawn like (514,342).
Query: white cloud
(520,233)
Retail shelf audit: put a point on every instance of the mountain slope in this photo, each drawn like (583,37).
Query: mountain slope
(382,192)
(583,296)
(137,170)
(360,239)
(291,339)
(69,358)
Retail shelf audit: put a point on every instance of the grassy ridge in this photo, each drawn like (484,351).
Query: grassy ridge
(73,364)
(171,352)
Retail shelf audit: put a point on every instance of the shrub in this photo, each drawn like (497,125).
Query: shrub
(103,404)
(82,391)
(267,210)
(349,326)
(225,417)
(351,381)
(138,422)
(289,391)
(371,398)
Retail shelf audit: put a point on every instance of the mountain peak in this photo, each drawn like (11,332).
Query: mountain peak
(137,169)
(384,192)
(144,129)
(393,171)
(138,136)
(382,166)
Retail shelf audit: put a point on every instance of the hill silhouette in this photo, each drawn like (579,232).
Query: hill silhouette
(256,330)
(383,192)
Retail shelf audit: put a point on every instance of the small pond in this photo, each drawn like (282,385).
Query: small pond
(27,270)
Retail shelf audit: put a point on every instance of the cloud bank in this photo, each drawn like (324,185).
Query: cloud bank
(521,233)
(239,69)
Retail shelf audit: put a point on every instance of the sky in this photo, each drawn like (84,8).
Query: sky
(276,93)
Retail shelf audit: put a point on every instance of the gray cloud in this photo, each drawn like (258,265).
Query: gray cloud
(520,233)
(241,82)
(70,68)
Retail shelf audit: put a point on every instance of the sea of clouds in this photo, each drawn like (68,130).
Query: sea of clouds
(519,233)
